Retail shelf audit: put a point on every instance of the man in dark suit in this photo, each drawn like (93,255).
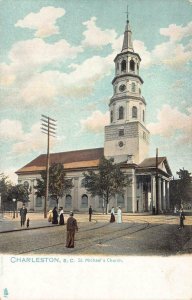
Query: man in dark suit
(90,213)
(23,212)
(71,228)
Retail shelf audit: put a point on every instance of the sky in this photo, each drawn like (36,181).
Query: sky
(56,59)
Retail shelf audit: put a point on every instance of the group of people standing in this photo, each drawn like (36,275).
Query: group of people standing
(56,217)
(119,215)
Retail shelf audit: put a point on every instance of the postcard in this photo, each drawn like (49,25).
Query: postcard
(95,168)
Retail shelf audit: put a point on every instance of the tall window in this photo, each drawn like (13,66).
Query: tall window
(120,200)
(143,116)
(111,116)
(39,202)
(134,112)
(68,201)
(121,112)
(123,65)
(84,201)
(132,65)
(121,132)
(133,87)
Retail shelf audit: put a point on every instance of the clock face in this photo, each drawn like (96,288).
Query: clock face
(120,144)
(122,87)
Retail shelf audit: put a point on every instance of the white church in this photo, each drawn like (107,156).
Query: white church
(126,141)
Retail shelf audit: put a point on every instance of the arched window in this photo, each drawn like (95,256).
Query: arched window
(39,201)
(121,112)
(84,201)
(111,116)
(120,200)
(134,112)
(117,66)
(143,116)
(123,66)
(132,65)
(68,201)
(133,87)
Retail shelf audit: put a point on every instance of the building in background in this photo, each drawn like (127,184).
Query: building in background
(126,141)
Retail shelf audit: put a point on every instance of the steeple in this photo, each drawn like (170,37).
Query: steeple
(127,41)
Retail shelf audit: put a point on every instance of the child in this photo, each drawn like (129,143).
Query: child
(28,222)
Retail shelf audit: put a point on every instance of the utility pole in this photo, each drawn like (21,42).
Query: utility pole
(49,128)
(157,186)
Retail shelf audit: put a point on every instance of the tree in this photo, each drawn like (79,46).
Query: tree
(5,186)
(108,181)
(19,192)
(180,189)
(58,184)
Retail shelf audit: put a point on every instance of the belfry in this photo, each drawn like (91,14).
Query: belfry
(126,141)
(127,138)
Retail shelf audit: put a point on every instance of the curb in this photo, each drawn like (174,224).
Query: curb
(31,228)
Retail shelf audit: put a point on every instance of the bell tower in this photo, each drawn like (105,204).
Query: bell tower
(127,138)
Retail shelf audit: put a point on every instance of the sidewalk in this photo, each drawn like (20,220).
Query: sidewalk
(8,224)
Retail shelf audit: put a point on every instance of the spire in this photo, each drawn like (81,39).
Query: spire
(127,41)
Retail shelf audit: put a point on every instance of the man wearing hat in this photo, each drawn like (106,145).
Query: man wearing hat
(71,228)
(23,212)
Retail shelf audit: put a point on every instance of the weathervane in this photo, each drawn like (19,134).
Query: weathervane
(127,12)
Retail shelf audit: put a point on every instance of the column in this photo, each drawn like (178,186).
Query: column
(163,195)
(159,195)
(167,195)
(75,202)
(133,187)
(153,193)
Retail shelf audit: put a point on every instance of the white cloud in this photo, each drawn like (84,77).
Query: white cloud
(37,53)
(96,122)
(43,22)
(33,141)
(177,33)
(11,129)
(172,54)
(140,48)
(95,36)
(11,174)
(43,88)
(170,122)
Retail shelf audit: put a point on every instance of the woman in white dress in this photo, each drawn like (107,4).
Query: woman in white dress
(119,215)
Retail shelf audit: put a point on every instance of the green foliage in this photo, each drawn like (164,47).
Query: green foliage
(58,184)
(180,189)
(19,192)
(5,186)
(107,181)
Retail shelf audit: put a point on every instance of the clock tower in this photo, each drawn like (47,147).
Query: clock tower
(126,138)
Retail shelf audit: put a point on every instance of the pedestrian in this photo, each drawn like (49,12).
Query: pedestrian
(23,212)
(119,215)
(55,216)
(182,218)
(112,219)
(90,213)
(71,228)
(61,216)
(50,215)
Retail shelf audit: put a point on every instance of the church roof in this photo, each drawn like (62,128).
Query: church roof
(73,159)
(150,163)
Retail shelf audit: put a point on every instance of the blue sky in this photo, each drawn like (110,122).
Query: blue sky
(56,59)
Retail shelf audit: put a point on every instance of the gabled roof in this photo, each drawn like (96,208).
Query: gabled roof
(72,159)
(150,163)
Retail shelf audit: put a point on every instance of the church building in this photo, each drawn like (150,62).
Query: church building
(126,141)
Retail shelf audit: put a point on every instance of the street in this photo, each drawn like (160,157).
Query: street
(137,235)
